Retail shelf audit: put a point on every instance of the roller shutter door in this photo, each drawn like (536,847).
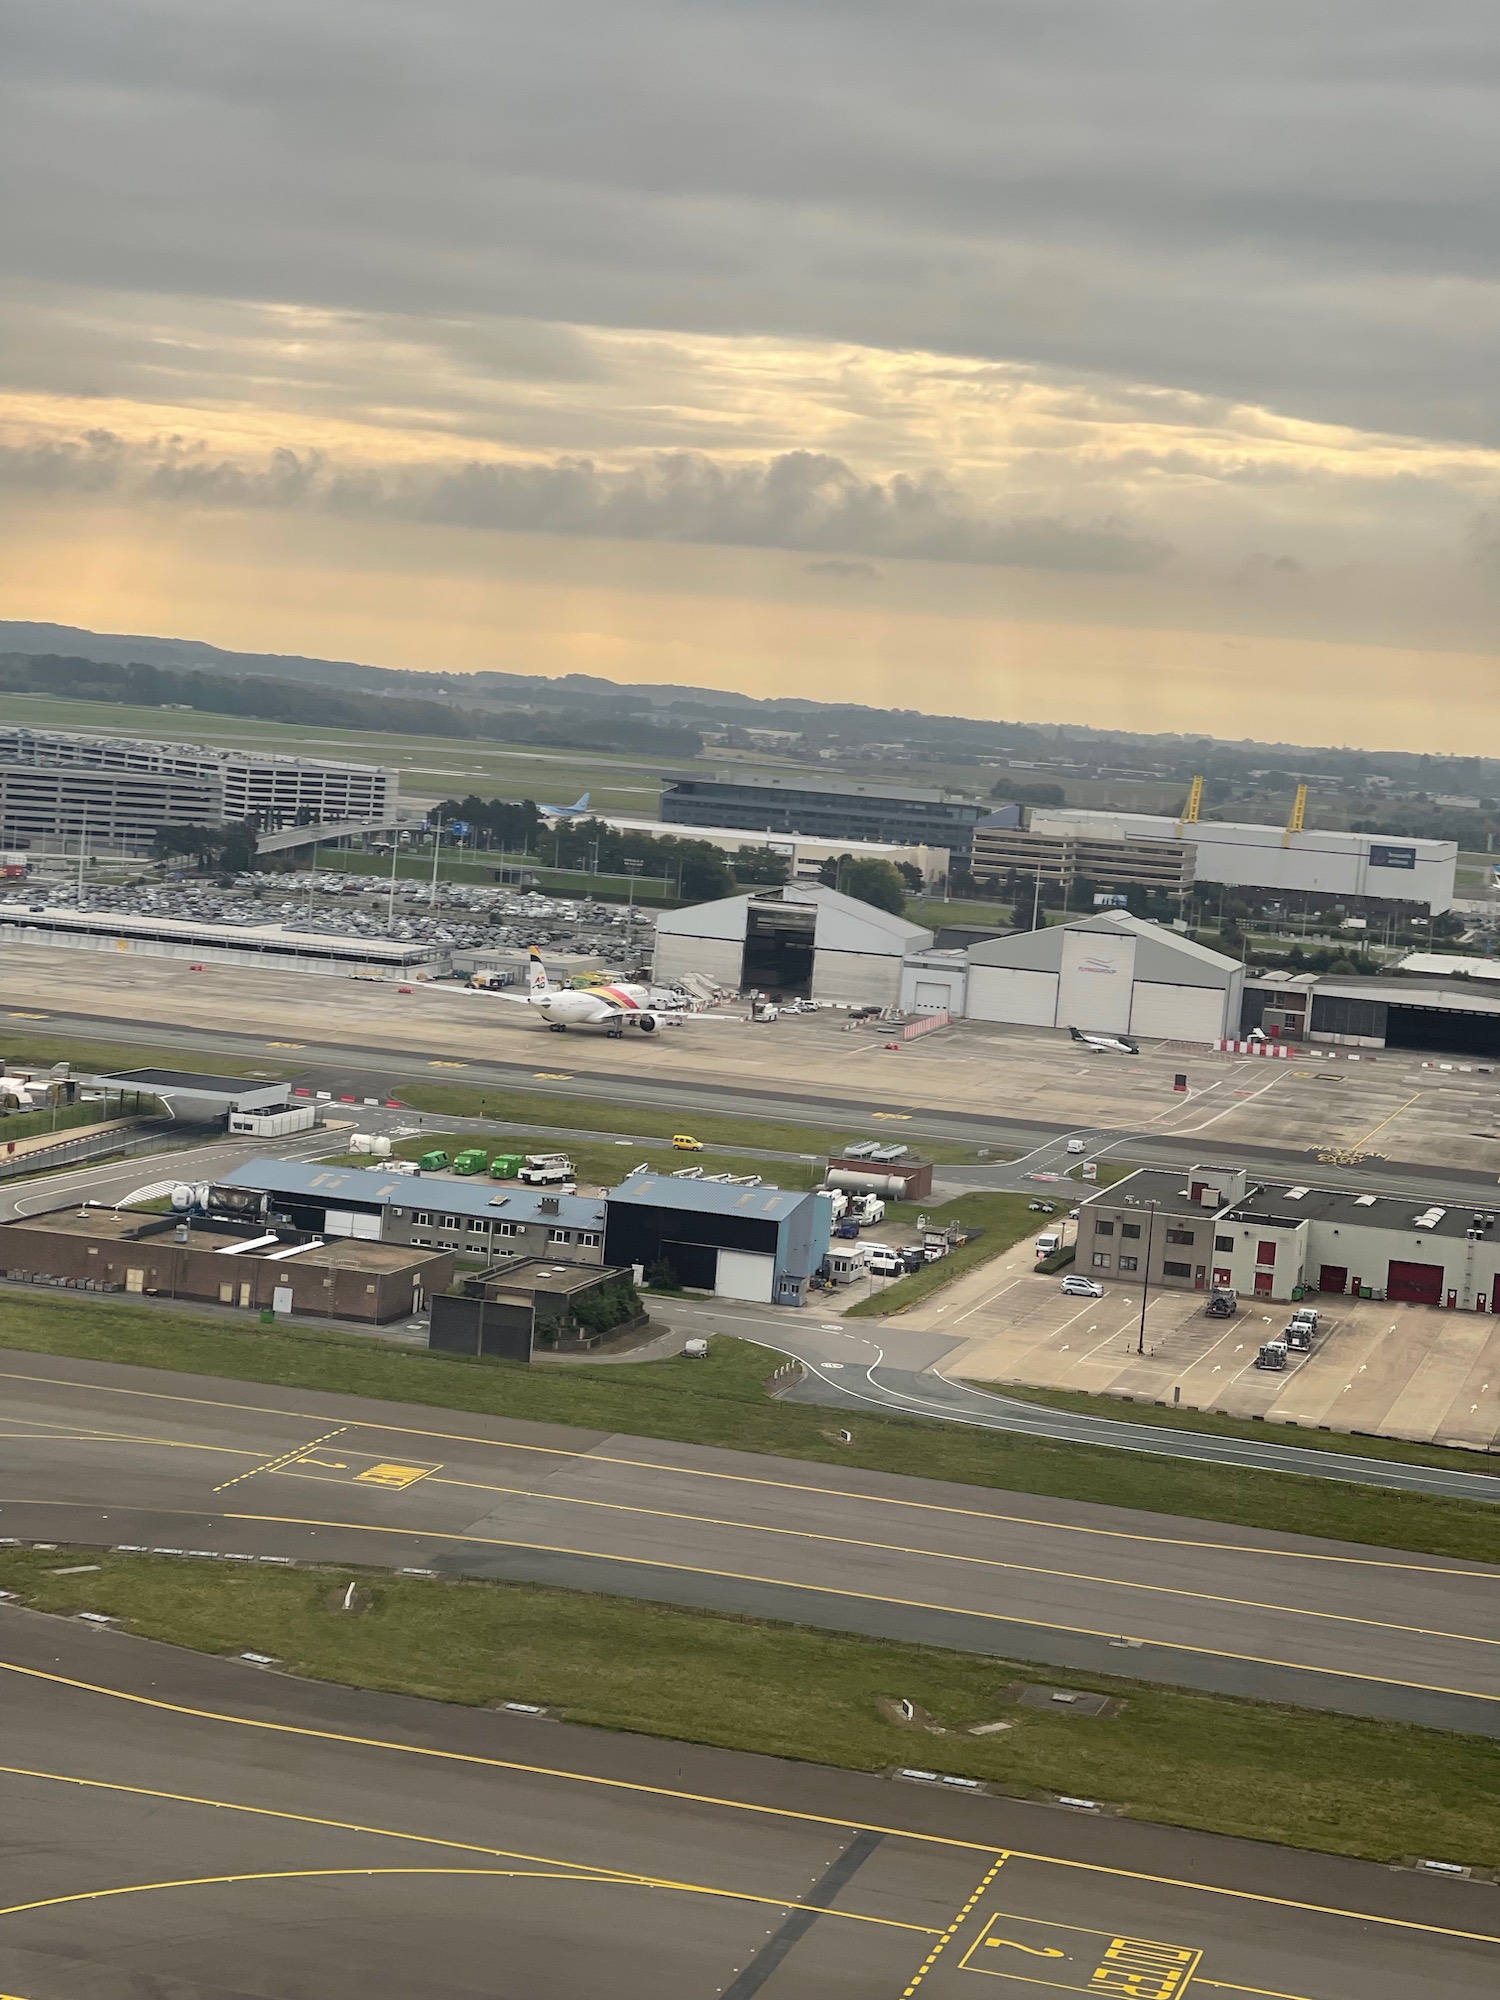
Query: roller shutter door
(1177,1013)
(1011,993)
(745,1275)
(1418,1284)
(1333,1278)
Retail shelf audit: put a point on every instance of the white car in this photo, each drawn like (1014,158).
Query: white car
(1077,1146)
(1078,1287)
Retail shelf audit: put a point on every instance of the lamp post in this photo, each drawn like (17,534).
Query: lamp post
(1140,1343)
(632,869)
(437,848)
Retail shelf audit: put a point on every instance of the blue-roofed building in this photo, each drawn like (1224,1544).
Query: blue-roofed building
(760,1244)
(472,1216)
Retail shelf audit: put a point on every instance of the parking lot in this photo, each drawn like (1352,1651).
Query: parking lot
(1401,1370)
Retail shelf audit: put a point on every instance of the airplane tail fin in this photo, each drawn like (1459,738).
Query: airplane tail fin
(536,976)
(582,803)
(1075,1034)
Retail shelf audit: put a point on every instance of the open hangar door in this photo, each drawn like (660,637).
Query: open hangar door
(1444,1030)
(779,947)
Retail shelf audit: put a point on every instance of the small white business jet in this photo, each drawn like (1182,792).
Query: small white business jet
(1105,1045)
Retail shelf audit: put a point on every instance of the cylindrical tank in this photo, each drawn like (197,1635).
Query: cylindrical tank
(890,1187)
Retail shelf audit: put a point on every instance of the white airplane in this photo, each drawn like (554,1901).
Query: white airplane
(1105,1045)
(613,1008)
(573,811)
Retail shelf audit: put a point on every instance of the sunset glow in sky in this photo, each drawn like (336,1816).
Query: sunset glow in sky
(1112,362)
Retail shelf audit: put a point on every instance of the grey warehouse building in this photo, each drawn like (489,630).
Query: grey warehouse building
(801,940)
(474,1218)
(826,809)
(759,1244)
(1456,1016)
(60,785)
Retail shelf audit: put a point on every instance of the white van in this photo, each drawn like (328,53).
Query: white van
(1047,1242)
(885,1262)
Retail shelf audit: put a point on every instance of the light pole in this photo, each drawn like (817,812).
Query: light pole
(1140,1342)
(437,848)
(390,901)
(632,869)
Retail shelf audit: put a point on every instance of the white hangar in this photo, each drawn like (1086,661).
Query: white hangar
(1110,973)
(800,940)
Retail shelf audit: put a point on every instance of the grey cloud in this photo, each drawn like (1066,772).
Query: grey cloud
(839,566)
(1282,204)
(800,500)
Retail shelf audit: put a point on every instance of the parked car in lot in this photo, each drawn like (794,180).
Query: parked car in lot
(1042,1207)
(1076,1286)
(886,1262)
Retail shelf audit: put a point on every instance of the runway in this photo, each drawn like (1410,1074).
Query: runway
(197,1829)
(128,1457)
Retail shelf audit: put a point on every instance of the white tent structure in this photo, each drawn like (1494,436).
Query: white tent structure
(1110,973)
(802,938)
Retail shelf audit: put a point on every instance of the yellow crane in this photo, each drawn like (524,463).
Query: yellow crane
(1296,817)
(1194,805)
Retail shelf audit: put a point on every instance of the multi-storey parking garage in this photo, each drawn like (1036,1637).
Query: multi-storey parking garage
(116,790)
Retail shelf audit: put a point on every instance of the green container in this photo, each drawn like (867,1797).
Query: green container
(505,1166)
(267,1317)
(433,1163)
(473,1160)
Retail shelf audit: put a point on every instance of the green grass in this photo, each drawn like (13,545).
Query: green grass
(536,1107)
(483,867)
(67,1118)
(607,1165)
(722,1401)
(90,1057)
(934,913)
(1321,1438)
(1339,1785)
(1003,1218)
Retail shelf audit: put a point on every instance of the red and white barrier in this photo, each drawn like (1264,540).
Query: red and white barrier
(925,1026)
(1280,1049)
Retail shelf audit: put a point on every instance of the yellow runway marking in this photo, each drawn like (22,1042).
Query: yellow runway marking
(954,1928)
(286,1457)
(1489,1575)
(948,1555)
(860,1596)
(550,1864)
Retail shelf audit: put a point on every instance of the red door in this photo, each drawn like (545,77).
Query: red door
(1334,1278)
(1263,1283)
(1418,1284)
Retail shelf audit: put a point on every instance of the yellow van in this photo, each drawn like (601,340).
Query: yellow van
(684,1142)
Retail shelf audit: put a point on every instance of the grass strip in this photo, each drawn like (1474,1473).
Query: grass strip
(723,1401)
(1382,1791)
(606,1165)
(1169,1417)
(90,1057)
(537,1107)
(1002,1219)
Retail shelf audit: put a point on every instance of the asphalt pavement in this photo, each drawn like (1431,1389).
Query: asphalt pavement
(94,1453)
(201,1829)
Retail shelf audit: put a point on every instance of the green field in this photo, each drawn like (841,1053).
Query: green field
(604,1165)
(723,1401)
(579,1114)
(1236,1767)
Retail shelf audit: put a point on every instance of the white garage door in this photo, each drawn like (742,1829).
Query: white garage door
(1183,1013)
(1005,993)
(745,1275)
(864,977)
(349,1222)
(933,996)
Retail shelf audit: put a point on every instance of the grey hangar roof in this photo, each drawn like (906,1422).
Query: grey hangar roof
(763,1204)
(377,1187)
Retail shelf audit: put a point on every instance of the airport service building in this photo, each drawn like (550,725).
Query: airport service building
(1215,1226)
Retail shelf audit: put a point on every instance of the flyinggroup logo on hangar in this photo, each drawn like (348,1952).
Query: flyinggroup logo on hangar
(1096,965)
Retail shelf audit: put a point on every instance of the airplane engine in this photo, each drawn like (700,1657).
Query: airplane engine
(646,1023)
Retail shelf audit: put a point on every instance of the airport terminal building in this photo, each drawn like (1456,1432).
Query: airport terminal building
(835,809)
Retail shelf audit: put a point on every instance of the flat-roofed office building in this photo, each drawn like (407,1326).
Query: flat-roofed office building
(824,808)
(1112,853)
(59,785)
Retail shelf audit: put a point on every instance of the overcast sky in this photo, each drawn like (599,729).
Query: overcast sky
(1123,361)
